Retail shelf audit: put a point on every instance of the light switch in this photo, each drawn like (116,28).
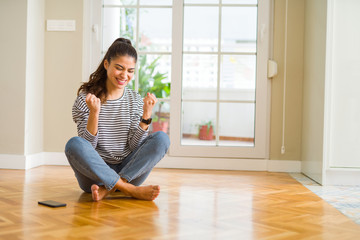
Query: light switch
(60,25)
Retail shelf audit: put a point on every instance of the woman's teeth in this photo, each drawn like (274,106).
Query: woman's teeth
(121,81)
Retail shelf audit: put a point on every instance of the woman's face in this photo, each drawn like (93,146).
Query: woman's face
(120,71)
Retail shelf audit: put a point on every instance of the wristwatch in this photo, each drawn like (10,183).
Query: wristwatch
(146,121)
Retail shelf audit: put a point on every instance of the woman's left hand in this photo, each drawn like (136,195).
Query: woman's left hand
(149,102)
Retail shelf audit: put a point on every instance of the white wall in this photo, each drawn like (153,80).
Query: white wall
(13,16)
(294,80)
(34,77)
(341,111)
(344,126)
(331,115)
(313,89)
(63,73)
(22,80)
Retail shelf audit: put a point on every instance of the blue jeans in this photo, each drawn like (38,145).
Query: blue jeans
(91,169)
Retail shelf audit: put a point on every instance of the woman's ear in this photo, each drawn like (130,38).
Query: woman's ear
(106,64)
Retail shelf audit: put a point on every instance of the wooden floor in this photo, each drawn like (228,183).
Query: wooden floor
(193,204)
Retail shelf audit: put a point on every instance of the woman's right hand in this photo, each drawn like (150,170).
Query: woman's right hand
(93,103)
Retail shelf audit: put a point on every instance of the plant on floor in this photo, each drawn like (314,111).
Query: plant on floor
(206,130)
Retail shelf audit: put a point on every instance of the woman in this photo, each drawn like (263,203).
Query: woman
(114,150)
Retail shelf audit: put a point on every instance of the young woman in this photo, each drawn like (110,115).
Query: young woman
(114,150)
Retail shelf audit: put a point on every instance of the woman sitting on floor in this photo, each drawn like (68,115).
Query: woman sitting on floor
(114,150)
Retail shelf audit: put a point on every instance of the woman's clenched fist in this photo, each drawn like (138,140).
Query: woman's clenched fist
(93,103)
(149,102)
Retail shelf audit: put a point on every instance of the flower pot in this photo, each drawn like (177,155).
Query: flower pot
(205,133)
(160,126)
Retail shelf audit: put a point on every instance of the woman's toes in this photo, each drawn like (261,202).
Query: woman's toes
(95,192)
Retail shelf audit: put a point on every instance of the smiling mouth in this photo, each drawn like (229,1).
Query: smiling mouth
(121,82)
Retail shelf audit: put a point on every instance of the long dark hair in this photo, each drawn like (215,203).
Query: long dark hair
(97,80)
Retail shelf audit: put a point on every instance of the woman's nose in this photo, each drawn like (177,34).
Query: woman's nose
(122,73)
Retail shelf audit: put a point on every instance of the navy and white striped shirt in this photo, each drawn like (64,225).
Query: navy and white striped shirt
(119,132)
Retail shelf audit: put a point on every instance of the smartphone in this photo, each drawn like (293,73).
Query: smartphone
(51,203)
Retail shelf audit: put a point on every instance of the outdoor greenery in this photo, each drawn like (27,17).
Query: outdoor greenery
(151,80)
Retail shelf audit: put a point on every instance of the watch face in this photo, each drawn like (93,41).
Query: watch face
(146,121)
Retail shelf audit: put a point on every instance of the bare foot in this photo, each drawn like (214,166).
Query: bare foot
(140,192)
(98,193)
(146,192)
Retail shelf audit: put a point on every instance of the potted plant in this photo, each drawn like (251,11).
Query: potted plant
(206,131)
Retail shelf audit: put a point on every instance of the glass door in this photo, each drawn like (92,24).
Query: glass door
(220,85)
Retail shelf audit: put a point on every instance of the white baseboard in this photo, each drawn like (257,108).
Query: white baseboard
(230,164)
(213,163)
(34,160)
(284,166)
(55,158)
(59,158)
(342,176)
(12,161)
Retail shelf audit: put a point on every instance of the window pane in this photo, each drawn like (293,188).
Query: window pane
(199,76)
(196,123)
(201,29)
(155,29)
(239,1)
(161,117)
(202,1)
(155,2)
(238,77)
(119,2)
(118,22)
(239,27)
(236,124)
(154,75)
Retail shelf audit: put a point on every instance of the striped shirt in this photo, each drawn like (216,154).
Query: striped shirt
(119,132)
